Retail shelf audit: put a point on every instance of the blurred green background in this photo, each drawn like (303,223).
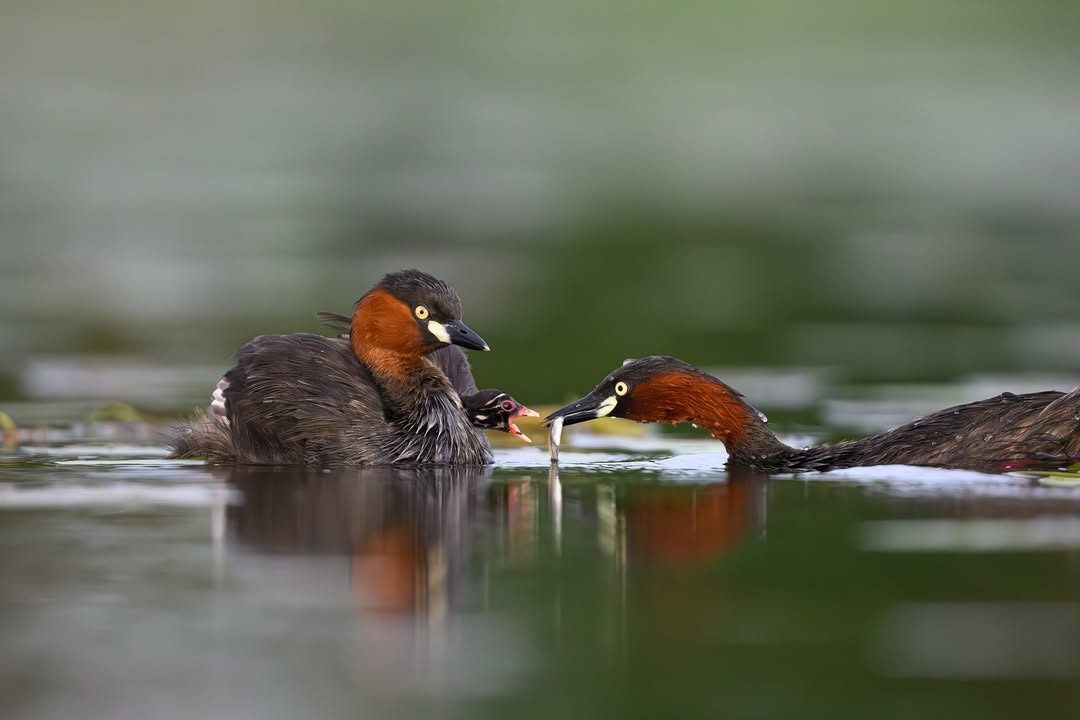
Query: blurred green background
(867,209)
(886,190)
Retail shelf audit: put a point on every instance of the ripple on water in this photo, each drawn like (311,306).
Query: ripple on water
(112,474)
(144,453)
(111,495)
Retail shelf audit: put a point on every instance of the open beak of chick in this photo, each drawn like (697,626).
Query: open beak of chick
(513,429)
(494,409)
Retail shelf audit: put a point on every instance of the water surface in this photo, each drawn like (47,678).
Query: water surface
(639,579)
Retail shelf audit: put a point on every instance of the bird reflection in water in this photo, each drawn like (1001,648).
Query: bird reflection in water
(407,531)
(406,536)
(657,538)
(657,524)
(404,529)
(424,548)
(671,524)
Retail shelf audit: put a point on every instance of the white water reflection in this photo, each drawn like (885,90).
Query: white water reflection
(1035,534)
(100,453)
(669,458)
(973,640)
(113,496)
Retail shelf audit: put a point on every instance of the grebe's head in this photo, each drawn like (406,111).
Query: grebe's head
(658,388)
(411,312)
(496,410)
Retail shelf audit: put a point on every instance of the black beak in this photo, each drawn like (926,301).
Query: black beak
(592,406)
(460,334)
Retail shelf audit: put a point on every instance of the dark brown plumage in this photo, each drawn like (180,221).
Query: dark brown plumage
(380,397)
(1007,431)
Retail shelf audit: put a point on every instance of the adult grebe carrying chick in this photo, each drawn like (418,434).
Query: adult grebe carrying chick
(390,392)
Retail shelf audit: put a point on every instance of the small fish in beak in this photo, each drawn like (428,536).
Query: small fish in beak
(554,438)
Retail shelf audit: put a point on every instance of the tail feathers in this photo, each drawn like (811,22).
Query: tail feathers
(1068,404)
(336,321)
(203,437)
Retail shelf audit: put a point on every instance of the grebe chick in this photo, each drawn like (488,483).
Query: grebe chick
(495,410)
(374,400)
(1009,431)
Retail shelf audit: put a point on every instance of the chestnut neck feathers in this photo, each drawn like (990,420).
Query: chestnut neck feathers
(1033,430)
(385,337)
(701,399)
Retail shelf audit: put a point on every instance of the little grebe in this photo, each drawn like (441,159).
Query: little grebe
(389,393)
(1008,431)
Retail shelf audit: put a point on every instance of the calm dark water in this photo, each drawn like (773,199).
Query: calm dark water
(626,584)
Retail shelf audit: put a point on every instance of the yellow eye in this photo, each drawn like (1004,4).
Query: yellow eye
(621,388)
(421,312)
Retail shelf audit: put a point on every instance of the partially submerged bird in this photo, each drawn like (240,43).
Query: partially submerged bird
(1000,433)
(391,392)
